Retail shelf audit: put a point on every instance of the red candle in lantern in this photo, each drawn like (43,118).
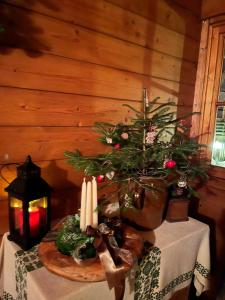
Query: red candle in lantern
(34,221)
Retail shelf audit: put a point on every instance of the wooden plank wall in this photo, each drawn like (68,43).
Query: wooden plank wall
(65,64)
(212,8)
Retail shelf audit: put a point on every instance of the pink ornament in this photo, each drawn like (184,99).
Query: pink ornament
(125,135)
(150,137)
(117,146)
(170,164)
(100,178)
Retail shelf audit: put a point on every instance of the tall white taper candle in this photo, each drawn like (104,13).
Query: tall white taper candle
(89,205)
(83,206)
(95,203)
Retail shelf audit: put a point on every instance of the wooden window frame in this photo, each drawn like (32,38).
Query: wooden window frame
(208,85)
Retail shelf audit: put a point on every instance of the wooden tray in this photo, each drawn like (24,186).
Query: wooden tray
(65,266)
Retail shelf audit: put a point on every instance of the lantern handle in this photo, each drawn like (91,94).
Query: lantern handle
(29,158)
(1,171)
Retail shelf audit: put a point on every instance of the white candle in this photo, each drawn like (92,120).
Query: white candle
(95,203)
(83,206)
(89,205)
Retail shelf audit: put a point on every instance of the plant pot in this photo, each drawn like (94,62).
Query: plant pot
(177,210)
(148,205)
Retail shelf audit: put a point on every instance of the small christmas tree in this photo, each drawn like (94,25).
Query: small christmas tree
(155,144)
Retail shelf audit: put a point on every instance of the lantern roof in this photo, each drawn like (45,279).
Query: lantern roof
(28,169)
(28,185)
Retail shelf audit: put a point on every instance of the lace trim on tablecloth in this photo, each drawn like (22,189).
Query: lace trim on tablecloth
(7,296)
(147,277)
(26,261)
(204,272)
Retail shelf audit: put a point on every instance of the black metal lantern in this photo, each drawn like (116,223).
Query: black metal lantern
(29,206)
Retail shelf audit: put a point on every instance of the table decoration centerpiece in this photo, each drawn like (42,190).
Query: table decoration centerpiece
(84,247)
(96,254)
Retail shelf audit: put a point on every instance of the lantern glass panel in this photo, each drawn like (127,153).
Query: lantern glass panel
(38,214)
(16,210)
(40,205)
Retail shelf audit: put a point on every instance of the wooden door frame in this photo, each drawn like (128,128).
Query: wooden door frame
(208,84)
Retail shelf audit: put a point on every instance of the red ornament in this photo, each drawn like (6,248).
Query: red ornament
(100,178)
(117,146)
(170,164)
(183,122)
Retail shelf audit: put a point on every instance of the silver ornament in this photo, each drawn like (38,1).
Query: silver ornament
(108,140)
(110,175)
(182,182)
(127,203)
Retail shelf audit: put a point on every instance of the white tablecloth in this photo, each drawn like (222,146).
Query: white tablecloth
(180,251)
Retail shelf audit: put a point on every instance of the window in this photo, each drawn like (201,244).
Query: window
(210,93)
(218,148)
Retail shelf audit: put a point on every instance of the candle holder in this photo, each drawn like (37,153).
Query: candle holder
(29,206)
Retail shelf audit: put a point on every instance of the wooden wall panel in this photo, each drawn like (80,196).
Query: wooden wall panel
(70,76)
(66,64)
(148,63)
(81,43)
(120,22)
(167,13)
(212,8)
(44,108)
(45,143)
(192,5)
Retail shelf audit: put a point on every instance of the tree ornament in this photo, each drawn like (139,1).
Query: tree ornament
(100,178)
(110,175)
(165,162)
(150,137)
(117,146)
(124,135)
(127,203)
(183,122)
(108,140)
(182,182)
(170,164)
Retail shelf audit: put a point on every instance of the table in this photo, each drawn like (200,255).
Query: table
(180,251)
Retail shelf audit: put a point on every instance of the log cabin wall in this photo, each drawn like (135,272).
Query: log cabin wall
(212,8)
(66,64)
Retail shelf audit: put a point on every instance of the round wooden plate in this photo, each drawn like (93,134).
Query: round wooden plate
(65,266)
